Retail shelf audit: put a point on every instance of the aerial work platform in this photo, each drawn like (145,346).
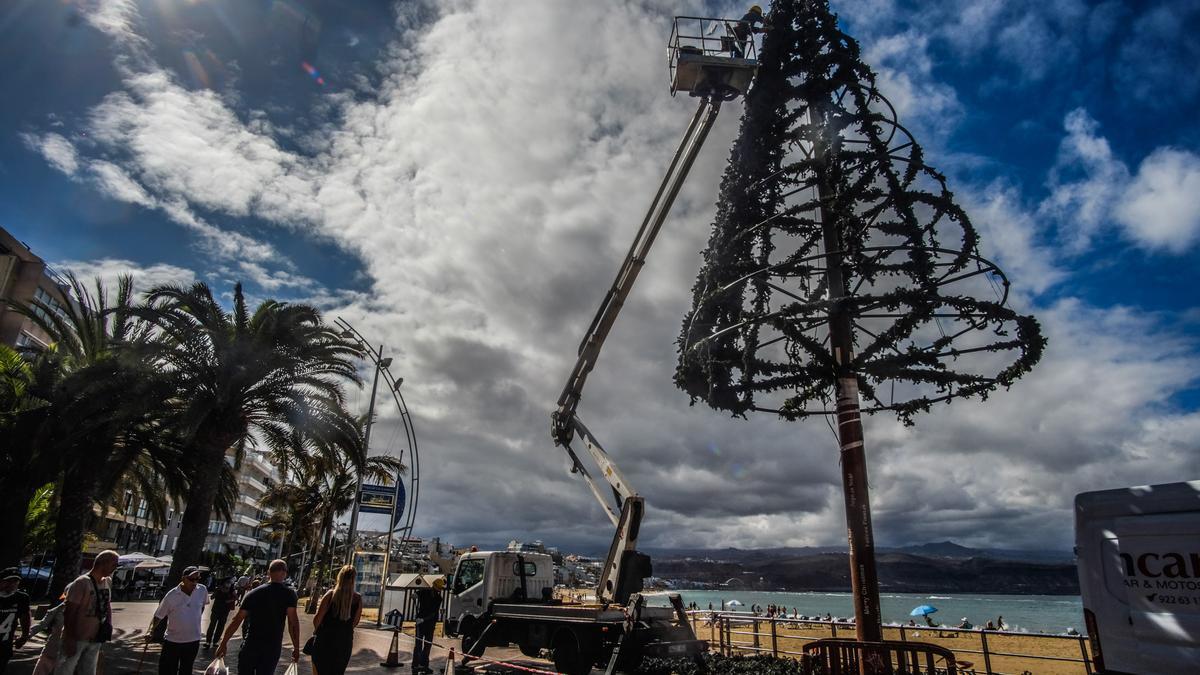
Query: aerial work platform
(707,57)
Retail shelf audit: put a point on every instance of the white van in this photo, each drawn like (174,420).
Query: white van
(1138,554)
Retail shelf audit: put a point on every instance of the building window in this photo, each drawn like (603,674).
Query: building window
(40,295)
(128,503)
(143,507)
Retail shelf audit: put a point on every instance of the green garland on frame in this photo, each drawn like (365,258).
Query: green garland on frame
(818,142)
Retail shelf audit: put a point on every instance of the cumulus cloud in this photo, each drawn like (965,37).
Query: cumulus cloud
(1092,189)
(1160,207)
(145,277)
(490,201)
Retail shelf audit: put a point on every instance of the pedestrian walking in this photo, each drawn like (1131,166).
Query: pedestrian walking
(266,607)
(338,614)
(14,609)
(429,601)
(183,609)
(87,623)
(224,596)
(51,624)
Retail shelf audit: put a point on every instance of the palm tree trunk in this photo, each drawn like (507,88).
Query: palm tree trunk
(74,511)
(201,497)
(14,504)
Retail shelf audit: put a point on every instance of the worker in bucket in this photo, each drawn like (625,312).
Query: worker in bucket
(752,22)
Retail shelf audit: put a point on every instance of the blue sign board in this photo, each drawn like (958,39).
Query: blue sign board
(376,499)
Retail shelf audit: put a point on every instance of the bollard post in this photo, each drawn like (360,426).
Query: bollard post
(755,631)
(987,657)
(774,640)
(1087,662)
(902,637)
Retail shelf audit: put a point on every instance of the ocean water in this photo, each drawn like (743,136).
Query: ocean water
(1024,613)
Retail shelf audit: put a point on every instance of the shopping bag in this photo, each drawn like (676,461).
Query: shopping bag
(217,667)
(293,669)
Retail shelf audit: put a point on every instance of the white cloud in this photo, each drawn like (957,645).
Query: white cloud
(1092,189)
(1085,183)
(114,182)
(57,150)
(1160,208)
(145,277)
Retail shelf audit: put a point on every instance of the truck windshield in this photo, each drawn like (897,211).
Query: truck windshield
(470,572)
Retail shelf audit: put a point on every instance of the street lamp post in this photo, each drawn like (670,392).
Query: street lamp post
(410,454)
(380,364)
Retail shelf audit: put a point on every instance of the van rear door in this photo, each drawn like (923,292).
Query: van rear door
(1160,557)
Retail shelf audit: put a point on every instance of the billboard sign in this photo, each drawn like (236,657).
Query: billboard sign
(376,499)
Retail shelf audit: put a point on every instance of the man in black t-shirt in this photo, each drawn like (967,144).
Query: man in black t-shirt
(266,606)
(14,609)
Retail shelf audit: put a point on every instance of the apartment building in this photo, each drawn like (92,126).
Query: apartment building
(244,534)
(24,277)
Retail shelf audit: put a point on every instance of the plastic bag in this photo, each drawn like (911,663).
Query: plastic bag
(293,669)
(217,667)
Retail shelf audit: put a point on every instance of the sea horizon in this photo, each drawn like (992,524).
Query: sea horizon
(1025,613)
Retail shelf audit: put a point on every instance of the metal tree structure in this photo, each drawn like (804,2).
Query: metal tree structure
(841,277)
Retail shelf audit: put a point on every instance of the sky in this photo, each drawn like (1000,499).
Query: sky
(460,180)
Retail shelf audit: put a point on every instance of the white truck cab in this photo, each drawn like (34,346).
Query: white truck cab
(484,577)
(1138,554)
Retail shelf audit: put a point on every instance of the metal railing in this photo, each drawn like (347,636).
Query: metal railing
(706,36)
(736,632)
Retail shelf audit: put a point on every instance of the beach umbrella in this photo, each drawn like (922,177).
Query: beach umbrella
(151,564)
(733,603)
(923,610)
(133,558)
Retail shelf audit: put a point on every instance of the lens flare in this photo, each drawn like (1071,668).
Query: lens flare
(313,73)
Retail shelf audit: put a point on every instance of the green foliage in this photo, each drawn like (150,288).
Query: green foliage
(39,521)
(830,217)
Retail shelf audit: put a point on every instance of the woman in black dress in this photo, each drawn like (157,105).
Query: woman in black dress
(340,610)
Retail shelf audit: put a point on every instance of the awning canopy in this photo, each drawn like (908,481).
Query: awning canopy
(412,581)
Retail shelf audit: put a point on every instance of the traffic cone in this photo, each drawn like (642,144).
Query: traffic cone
(393,657)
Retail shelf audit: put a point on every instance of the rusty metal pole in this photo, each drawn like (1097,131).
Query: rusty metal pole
(863,576)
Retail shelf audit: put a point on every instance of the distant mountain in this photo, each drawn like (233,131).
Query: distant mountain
(898,572)
(942,549)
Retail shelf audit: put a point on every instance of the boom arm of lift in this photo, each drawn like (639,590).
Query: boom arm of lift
(614,584)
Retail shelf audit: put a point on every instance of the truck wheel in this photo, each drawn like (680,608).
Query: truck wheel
(530,650)
(570,656)
(471,644)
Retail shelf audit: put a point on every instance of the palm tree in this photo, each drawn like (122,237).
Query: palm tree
(239,375)
(24,460)
(319,489)
(101,340)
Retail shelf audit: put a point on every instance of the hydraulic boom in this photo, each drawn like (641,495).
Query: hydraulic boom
(616,582)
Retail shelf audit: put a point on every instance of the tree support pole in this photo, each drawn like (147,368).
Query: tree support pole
(863,576)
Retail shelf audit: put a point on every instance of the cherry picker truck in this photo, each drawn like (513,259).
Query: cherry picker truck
(498,598)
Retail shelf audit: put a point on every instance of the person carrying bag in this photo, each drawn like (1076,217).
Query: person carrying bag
(333,640)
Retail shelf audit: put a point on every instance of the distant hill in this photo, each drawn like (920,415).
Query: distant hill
(942,549)
(924,568)
(898,573)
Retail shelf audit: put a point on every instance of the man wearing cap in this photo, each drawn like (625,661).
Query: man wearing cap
(182,608)
(87,622)
(429,600)
(14,608)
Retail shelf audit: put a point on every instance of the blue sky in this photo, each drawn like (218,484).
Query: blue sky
(465,177)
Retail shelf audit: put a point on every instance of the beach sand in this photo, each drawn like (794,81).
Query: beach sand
(1007,652)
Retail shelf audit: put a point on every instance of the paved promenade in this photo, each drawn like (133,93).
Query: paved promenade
(130,619)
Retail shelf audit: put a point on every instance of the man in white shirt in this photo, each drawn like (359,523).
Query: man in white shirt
(182,608)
